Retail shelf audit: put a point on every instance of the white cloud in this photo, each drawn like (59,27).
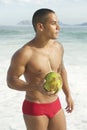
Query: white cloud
(41,1)
(6,1)
(24,1)
(69,11)
(10,1)
(32,1)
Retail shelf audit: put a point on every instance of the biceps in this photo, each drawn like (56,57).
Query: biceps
(16,70)
(63,70)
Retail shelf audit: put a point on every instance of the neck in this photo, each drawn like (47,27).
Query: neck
(42,42)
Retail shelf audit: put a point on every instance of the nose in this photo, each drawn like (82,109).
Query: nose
(57,27)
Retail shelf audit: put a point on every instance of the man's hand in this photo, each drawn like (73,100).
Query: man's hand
(70,104)
(41,88)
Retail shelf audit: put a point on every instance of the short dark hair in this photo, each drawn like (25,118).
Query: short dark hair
(40,16)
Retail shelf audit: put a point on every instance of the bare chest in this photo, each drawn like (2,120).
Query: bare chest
(43,62)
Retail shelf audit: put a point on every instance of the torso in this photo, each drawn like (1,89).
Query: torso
(42,61)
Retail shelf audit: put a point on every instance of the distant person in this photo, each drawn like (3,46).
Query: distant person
(41,109)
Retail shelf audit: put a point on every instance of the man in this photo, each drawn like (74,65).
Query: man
(41,109)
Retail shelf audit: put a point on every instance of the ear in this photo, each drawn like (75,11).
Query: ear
(40,27)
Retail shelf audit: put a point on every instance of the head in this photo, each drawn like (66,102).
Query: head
(40,16)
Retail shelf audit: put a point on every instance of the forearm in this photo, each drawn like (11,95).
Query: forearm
(69,100)
(17,84)
(65,87)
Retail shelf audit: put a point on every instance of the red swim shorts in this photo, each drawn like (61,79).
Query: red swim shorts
(38,109)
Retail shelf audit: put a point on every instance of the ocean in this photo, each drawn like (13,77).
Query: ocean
(74,40)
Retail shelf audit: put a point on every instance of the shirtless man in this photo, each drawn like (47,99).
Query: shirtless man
(41,109)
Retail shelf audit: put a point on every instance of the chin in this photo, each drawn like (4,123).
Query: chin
(55,37)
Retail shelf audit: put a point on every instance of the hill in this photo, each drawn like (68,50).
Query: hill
(24,22)
(29,22)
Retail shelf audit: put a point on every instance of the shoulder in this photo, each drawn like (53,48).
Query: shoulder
(59,46)
(23,54)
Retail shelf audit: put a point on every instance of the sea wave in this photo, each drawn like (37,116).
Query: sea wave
(67,33)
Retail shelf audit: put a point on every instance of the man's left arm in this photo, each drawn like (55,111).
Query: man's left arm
(66,90)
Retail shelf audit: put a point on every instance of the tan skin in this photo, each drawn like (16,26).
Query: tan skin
(34,60)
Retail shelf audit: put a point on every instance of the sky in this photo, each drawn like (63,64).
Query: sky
(68,11)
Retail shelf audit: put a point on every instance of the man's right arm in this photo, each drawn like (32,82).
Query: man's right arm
(16,69)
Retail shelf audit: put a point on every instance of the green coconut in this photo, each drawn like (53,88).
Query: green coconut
(53,82)
(50,76)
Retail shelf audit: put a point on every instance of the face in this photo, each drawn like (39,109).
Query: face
(51,27)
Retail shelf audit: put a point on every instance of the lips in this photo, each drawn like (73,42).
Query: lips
(56,33)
